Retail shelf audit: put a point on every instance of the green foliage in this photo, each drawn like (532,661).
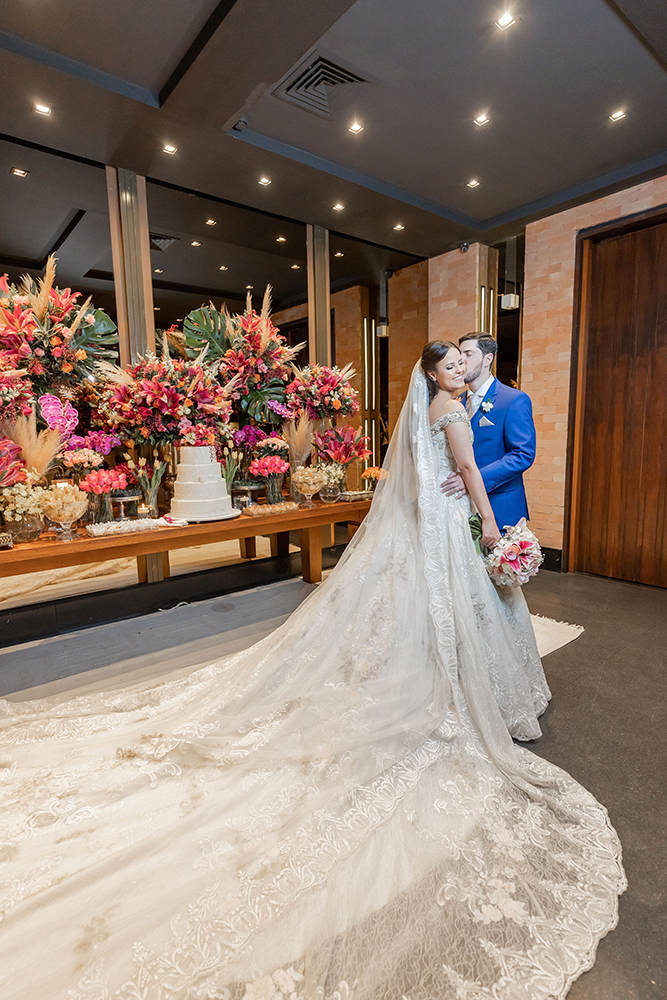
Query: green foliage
(255,403)
(206,326)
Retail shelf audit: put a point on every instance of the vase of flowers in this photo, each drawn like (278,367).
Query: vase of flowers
(21,506)
(149,479)
(100,484)
(341,447)
(372,476)
(272,469)
(335,481)
(322,393)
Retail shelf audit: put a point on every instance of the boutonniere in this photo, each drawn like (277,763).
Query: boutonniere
(487,406)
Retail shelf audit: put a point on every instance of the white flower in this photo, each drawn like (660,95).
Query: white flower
(487,406)
(283,981)
(260,989)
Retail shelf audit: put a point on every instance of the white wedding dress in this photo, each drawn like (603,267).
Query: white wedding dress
(337,813)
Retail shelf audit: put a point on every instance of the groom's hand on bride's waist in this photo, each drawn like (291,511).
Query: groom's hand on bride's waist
(454,486)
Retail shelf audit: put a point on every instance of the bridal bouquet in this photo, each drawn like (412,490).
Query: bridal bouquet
(515,558)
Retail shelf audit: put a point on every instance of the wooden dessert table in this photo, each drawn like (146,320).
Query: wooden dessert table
(151,548)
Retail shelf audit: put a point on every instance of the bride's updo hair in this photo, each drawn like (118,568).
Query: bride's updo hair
(434,352)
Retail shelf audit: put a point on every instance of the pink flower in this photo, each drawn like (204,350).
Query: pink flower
(59,416)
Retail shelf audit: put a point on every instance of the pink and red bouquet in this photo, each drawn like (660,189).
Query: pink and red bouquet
(164,401)
(99,441)
(321,392)
(103,481)
(343,445)
(12,466)
(47,333)
(270,465)
(16,395)
(274,444)
(515,558)
(58,415)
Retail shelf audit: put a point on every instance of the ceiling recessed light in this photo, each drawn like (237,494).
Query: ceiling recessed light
(617,115)
(43,109)
(295,267)
(179,319)
(223,267)
(338,207)
(473,184)
(250,287)
(156,308)
(482,119)
(168,148)
(19,173)
(211,222)
(399,226)
(339,254)
(356,128)
(158,270)
(504,21)
(281,239)
(264,181)
(195,243)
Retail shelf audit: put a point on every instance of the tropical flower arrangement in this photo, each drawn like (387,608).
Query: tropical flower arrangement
(250,350)
(343,445)
(165,401)
(46,333)
(372,475)
(16,396)
(321,392)
(12,466)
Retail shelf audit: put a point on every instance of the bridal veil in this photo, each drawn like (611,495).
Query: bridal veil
(336,813)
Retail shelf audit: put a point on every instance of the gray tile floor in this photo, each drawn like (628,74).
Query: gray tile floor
(604,725)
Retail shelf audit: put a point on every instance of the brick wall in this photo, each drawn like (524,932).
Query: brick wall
(547,335)
(452,300)
(408,330)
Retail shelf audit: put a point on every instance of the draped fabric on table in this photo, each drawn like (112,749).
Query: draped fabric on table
(337,812)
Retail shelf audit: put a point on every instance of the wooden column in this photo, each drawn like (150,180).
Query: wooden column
(487,289)
(130,246)
(319,299)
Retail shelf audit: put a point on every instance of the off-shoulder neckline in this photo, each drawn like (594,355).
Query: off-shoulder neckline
(460,410)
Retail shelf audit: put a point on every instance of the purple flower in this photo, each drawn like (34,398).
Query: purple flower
(59,416)
(248,437)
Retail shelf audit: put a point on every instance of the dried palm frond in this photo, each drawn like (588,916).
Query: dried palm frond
(113,373)
(299,437)
(177,340)
(40,302)
(347,372)
(38,448)
(266,304)
(248,303)
(81,313)
(202,354)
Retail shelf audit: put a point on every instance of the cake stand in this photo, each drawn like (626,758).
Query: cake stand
(218,517)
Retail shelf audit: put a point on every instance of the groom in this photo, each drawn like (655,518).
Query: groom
(502,422)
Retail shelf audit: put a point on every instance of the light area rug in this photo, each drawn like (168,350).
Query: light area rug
(551,635)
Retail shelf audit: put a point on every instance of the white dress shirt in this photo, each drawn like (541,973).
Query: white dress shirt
(475,398)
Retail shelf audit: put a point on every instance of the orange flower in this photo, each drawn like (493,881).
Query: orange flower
(55,341)
(80,354)
(336,404)
(145,432)
(66,367)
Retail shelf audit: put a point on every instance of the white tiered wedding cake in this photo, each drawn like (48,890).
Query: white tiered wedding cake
(200,493)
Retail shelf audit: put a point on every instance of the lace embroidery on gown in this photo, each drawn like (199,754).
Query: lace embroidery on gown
(336,813)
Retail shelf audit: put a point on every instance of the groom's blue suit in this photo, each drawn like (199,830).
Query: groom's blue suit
(504,448)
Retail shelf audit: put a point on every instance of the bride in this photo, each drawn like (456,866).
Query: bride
(336,813)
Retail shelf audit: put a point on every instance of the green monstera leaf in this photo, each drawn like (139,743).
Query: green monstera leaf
(255,404)
(206,326)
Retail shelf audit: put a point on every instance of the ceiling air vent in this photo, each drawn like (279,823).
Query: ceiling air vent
(310,83)
(161,242)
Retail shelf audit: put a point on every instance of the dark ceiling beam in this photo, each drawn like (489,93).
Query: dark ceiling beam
(204,36)
(647,27)
(173,286)
(362,180)
(46,57)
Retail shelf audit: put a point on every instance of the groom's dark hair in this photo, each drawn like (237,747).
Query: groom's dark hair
(486,344)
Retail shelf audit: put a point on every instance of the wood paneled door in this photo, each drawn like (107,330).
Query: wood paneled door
(618,516)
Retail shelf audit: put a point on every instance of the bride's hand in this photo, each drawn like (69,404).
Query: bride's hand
(490,533)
